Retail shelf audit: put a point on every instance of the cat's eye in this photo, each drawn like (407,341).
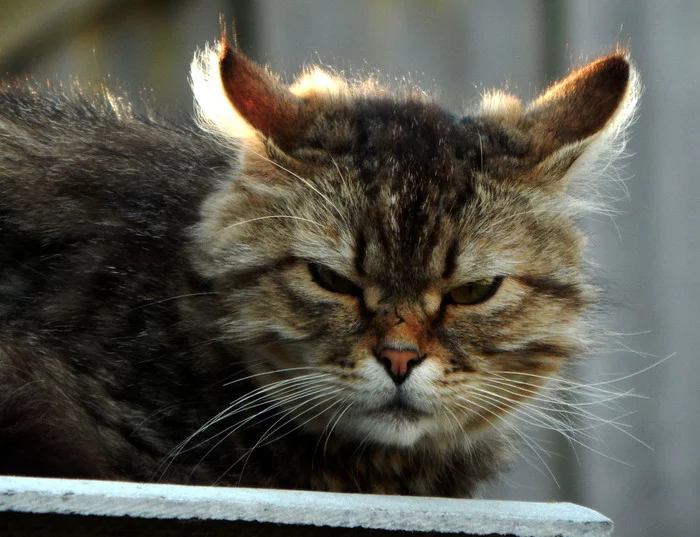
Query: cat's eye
(476,291)
(332,281)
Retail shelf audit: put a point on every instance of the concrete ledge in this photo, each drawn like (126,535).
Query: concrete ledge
(71,507)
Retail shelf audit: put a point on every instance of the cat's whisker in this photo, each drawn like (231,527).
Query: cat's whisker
(606,382)
(255,395)
(153,414)
(501,417)
(227,412)
(535,416)
(548,394)
(280,399)
(272,410)
(362,445)
(558,395)
(563,398)
(569,385)
(340,417)
(331,420)
(263,439)
(323,432)
(531,392)
(622,348)
(275,372)
(274,216)
(450,413)
(562,409)
(617,333)
(226,433)
(264,398)
(536,448)
(275,427)
(277,402)
(286,384)
(539,420)
(240,368)
(558,404)
(550,422)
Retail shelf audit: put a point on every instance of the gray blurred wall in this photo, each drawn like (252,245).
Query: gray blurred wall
(650,251)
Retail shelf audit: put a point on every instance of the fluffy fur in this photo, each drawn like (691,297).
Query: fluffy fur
(276,297)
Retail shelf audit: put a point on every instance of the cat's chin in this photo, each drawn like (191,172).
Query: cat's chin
(395,429)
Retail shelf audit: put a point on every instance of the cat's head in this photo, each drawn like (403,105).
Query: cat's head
(411,275)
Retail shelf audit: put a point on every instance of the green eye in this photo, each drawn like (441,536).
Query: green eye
(332,281)
(475,292)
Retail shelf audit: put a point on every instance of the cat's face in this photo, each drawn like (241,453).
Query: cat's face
(394,273)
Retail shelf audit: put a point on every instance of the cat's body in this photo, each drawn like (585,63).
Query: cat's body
(334,288)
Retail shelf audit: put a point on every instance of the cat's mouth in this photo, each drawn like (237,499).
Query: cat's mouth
(397,422)
(399,407)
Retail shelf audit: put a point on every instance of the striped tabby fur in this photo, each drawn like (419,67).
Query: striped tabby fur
(284,295)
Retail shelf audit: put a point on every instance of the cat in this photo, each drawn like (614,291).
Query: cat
(330,286)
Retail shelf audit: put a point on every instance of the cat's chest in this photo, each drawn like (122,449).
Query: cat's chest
(387,471)
(382,471)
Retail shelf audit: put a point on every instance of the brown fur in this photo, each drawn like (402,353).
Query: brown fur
(228,314)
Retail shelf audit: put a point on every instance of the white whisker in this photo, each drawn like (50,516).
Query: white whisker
(278,405)
(299,177)
(328,436)
(536,448)
(272,216)
(262,441)
(240,405)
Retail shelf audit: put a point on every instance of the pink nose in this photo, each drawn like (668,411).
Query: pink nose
(399,363)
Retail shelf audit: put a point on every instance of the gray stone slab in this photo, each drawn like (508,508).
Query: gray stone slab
(241,509)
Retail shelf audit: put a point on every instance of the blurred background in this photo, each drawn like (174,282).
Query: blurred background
(650,251)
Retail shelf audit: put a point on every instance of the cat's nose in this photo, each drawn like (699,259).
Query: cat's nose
(398,362)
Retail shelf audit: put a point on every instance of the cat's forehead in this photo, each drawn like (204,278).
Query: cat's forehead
(412,136)
(416,165)
(413,158)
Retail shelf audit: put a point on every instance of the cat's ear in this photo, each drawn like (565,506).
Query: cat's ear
(262,101)
(577,118)
(581,105)
(240,99)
